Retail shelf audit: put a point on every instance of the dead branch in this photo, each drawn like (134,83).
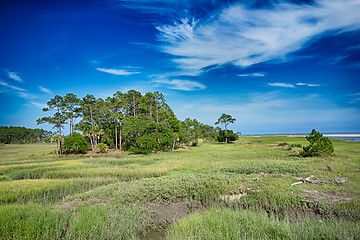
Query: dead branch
(337,180)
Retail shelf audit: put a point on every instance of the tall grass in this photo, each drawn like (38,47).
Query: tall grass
(32,221)
(34,183)
(46,190)
(240,224)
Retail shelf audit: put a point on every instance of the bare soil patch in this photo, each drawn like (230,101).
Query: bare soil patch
(164,214)
(317,196)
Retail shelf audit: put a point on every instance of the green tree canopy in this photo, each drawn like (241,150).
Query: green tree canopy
(225,119)
(318,145)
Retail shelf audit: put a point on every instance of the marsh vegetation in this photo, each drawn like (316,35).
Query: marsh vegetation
(213,191)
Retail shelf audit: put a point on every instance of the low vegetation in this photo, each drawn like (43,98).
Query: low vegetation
(318,145)
(213,191)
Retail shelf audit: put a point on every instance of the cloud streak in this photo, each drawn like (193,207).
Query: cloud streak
(244,36)
(12,87)
(45,90)
(277,84)
(14,76)
(252,75)
(308,84)
(120,72)
(184,85)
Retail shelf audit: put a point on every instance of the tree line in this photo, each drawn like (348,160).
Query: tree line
(124,121)
(23,135)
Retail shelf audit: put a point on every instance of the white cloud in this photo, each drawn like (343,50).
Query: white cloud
(45,90)
(121,72)
(12,87)
(354,100)
(15,76)
(185,85)
(252,75)
(39,105)
(277,84)
(244,36)
(308,84)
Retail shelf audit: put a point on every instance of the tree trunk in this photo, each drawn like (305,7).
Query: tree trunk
(57,147)
(173,146)
(71,122)
(120,123)
(59,121)
(226,141)
(116,137)
(92,144)
(92,129)
(134,104)
(60,147)
(157,114)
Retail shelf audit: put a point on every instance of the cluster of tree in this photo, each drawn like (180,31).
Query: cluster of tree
(23,135)
(318,145)
(226,135)
(125,121)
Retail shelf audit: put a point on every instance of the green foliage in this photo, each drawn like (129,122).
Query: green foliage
(102,147)
(75,143)
(318,146)
(143,135)
(23,135)
(231,136)
(225,119)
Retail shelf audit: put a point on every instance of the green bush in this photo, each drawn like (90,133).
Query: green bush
(102,147)
(75,143)
(318,146)
(231,136)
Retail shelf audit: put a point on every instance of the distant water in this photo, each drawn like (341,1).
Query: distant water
(349,137)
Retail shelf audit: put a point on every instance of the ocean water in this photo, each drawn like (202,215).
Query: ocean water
(348,139)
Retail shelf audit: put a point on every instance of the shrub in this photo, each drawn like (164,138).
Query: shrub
(231,136)
(318,146)
(75,143)
(102,147)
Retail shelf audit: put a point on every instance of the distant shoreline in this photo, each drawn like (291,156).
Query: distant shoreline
(337,135)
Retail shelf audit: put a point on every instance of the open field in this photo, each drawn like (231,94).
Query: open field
(214,191)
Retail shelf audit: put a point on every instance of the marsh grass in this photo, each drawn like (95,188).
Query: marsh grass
(46,190)
(240,224)
(33,183)
(33,221)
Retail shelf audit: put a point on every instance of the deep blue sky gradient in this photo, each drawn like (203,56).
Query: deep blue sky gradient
(100,47)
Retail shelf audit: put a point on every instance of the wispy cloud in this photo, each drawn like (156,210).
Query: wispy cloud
(245,36)
(115,71)
(277,84)
(308,84)
(45,90)
(252,75)
(355,100)
(336,60)
(39,105)
(15,76)
(178,84)
(12,87)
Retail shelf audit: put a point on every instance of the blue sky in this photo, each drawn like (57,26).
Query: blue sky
(276,66)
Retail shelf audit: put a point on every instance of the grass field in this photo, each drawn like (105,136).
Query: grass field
(214,191)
